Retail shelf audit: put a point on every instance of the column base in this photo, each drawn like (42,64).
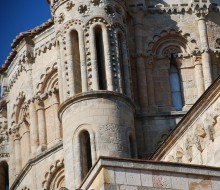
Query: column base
(42,148)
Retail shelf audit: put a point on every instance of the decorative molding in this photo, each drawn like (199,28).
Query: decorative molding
(53,169)
(33,161)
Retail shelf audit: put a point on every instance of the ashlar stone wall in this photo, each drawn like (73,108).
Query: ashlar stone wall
(184,33)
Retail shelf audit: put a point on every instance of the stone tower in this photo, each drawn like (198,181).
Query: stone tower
(105,81)
(94,82)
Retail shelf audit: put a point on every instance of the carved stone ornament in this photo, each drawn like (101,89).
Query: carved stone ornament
(171,50)
(61,18)
(200,131)
(69,6)
(198,143)
(83,9)
(96,3)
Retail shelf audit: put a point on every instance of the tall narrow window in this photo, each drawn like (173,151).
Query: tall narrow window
(86,156)
(76,61)
(100,58)
(121,62)
(131,144)
(4,176)
(175,86)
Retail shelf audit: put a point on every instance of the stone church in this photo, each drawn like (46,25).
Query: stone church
(114,95)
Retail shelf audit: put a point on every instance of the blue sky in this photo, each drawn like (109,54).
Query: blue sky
(17,16)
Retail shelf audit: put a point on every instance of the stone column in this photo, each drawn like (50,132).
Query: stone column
(41,125)
(77,162)
(59,70)
(25,144)
(141,73)
(83,62)
(108,65)
(58,130)
(199,76)
(95,77)
(12,165)
(206,58)
(123,67)
(70,75)
(33,127)
(17,154)
(93,149)
(127,74)
(119,65)
(2,178)
(63,66)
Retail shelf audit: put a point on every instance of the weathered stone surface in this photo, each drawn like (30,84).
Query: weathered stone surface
(112,78)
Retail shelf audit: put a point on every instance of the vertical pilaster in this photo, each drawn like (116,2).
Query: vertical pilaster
(70,74)
(59,68)
(94,63)
(58,130)
(25,140)
(206,58)
(150,84)
(41,125)
(63,69)
(126,68)
(199,76)
(17,154)
(141,73)
(108,65)
(77,161)
(83,62)
(93,150)
(12,169)
(33,127)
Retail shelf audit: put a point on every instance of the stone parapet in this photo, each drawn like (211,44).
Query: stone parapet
(114,173)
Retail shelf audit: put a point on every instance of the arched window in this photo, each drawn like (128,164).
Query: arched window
(76,61)
(86,156)
(175,86)
(100,58)
(4,176)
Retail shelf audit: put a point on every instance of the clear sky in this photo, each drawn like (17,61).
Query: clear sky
(17,16)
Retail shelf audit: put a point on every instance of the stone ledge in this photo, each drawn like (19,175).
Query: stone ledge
(94,95)
(147,166)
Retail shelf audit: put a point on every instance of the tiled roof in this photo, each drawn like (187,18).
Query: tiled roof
(30,33)
(8,61)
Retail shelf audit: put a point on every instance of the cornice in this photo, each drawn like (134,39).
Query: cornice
(94,95)
(177,8)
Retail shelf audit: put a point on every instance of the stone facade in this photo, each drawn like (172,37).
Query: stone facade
(111,78)
(196,137)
